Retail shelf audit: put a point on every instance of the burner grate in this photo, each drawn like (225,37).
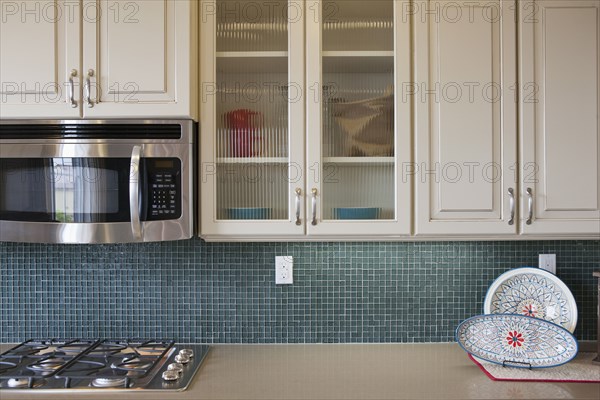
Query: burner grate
(114,363)
(29,364)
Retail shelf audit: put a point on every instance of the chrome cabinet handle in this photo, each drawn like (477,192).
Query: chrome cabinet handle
(72,100)
(511,199)
(88,84)
(298,198)
(314,206)
(530,205)
(134,192)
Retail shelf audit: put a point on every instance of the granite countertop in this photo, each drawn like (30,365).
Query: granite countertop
(346,371)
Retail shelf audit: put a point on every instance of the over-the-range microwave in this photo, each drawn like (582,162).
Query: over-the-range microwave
(96,181)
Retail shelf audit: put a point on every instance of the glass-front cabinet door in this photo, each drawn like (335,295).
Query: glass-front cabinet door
(358,118)
(252,118)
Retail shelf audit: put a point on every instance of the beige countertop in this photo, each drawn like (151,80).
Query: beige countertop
(343,371)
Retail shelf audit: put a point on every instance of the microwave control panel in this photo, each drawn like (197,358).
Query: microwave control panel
(162,189)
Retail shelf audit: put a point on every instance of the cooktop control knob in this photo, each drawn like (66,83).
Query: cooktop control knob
(187,352)
(177,367)
(182,359)
(170,375)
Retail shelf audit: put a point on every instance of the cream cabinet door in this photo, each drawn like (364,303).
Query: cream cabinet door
(358,121)
(39,59)
(560,142)
(138,58)
(252,138)
(465,123)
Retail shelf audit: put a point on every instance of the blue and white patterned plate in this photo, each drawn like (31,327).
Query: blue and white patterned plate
(533,292)
(516,340)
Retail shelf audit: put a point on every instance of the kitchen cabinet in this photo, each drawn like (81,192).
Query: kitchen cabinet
(559,108)
(416,120)
(304,132)
(465,118)
(98,59)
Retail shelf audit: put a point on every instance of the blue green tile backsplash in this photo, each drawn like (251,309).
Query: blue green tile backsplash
(194,291)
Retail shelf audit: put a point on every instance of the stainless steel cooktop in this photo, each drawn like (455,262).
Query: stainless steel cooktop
(83,364)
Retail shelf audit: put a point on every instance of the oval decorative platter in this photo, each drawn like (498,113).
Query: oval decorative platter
(533,292)
(516,340)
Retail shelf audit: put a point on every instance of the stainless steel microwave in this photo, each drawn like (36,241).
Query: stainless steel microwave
(94,181)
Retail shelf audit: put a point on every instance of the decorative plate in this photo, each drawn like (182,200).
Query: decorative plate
(533,292)
(516,340)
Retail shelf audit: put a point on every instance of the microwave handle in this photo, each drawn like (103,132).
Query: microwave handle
(134,192)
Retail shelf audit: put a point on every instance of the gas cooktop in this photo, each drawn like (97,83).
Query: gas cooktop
(82,364)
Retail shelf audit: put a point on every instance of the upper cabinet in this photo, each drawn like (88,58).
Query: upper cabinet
(98,59)
(560,141)
(303,128)
(465,123)
(471,177)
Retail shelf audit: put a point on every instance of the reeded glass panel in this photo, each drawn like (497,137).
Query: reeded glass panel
(252,140)
(358,141)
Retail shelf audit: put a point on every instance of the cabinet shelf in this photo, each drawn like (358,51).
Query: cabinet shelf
(252,62)
(358,53)
(351,161)
(252,160)
(358,61)
(251,54)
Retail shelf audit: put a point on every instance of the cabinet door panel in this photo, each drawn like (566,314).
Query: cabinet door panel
(358,61)
(39,47)
(140,57)
(252,137)
(465,117)
(560,53)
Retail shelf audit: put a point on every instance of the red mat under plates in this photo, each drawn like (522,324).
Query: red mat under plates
(579,370)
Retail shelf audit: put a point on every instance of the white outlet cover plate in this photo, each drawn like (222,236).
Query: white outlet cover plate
(284,270)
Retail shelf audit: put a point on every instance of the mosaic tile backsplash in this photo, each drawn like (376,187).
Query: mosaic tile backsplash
(194,291)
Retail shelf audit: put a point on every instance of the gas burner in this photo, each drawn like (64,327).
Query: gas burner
(151,348)
(6,366)
(109,382)
(20,383)
(85,366)
(72,348)
(108,348)
(47,366)
(28,349)
(133,364)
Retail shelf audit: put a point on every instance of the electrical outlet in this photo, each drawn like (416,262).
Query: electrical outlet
(548,262)
(284,270)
